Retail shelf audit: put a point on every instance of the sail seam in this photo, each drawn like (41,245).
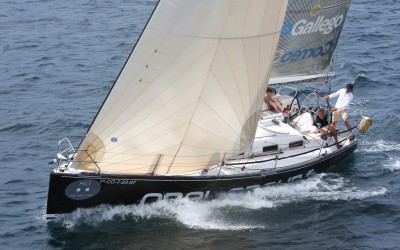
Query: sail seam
(228,38)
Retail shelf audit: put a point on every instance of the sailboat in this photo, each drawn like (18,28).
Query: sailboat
(185,117)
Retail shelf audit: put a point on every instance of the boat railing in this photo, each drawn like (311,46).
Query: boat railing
(353,131)
(69,147)
(276,159)
(91,159)
(66,154)
(322,148)
(277,155)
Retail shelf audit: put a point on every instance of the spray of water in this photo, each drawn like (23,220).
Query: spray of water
(214,214)
(379,146)
(387,150)
(392,164)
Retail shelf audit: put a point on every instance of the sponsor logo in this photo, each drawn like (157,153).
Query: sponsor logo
(303,27)
(152,197)
(293,56)
(82,189)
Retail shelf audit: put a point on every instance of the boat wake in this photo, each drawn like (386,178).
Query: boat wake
(388,158)
(392,164)
(230,211)
(379,146)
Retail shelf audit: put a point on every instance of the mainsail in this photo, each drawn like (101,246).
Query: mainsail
(309,37)
(190,92)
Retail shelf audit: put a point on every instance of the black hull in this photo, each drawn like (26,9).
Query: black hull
(68,192)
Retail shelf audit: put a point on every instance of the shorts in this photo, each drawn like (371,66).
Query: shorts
(339,113)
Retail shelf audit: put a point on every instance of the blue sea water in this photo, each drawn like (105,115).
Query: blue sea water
(58,62)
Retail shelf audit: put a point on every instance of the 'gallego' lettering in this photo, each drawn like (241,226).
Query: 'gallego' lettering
(303,27)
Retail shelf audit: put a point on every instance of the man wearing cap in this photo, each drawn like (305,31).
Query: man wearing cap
(341,106)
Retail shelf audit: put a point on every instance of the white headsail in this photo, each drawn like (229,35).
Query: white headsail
(190,92)
(309,37)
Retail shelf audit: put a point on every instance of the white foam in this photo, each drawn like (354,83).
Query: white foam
(228,211)
(200,215)
(379,146)
(318,188)
(41,215)
(392,164)
(362,75)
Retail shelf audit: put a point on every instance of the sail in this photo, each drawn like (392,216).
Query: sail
(191,90)
(309,37)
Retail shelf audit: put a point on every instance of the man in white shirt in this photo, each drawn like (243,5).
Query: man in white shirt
(341,106)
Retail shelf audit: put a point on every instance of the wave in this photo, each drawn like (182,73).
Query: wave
(18,127)
(14,181)
(379,157)
(229,211)
(392,164)
(378,146)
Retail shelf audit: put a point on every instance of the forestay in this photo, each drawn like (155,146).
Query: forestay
(191,90)
(309,37)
